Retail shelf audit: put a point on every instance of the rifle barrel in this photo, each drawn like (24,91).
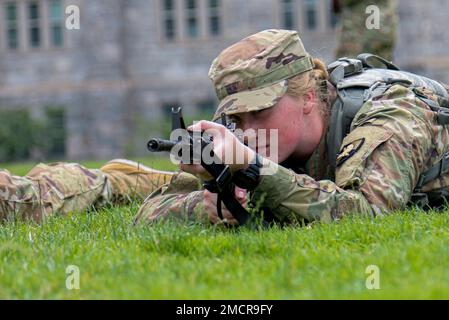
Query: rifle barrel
(159,145)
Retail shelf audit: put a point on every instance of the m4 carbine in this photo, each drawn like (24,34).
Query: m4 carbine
(222,182)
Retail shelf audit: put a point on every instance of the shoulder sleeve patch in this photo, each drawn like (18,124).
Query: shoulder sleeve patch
(358,145)
(348,150)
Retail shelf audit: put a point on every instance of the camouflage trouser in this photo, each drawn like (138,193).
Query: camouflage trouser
(57,188)
(60,188)
(354,37)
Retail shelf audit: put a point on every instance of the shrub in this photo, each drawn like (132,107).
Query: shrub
(18,134)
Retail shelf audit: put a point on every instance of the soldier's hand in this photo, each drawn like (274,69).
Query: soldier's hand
(227,147)
(210,206)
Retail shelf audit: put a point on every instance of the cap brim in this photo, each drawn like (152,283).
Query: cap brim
(251,100)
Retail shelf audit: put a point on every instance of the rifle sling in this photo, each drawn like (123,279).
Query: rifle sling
(238,211)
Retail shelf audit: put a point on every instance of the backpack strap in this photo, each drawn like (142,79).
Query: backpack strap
(439,108)
(366,57)
(343,68)
(348,103)
(441,166)
(434,172)
(344,109)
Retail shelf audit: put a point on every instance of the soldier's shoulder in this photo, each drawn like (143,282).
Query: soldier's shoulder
(395,96)
(396,91)
(398,103)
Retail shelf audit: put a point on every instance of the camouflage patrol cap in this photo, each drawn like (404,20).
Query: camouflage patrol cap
(252,74)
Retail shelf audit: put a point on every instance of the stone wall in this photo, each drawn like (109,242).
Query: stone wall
(116,73)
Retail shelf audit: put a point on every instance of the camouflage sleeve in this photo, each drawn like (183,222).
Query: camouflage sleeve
(377,168)
(297,197)
(182,198)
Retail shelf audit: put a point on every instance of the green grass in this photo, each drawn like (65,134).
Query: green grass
(187,261)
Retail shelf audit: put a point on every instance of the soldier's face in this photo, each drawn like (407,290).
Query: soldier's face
(286,117)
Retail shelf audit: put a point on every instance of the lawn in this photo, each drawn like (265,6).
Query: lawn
(185,261)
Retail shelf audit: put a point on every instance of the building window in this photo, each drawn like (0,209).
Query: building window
(56,132)
(214,17)
(333,18)
(192,19)
(311,14)
(12,34)
(34,29)
(56,23)
(169,19)
(288,14)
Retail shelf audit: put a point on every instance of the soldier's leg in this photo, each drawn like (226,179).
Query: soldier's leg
(133,180)
(51,189)
(60,188)
(69,187)
(73,187)
(19,198)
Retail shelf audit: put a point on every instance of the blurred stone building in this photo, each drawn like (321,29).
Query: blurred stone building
(109,84)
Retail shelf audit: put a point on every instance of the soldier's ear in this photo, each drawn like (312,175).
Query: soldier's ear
(310,101)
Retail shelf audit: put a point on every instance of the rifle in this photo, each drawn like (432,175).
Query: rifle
(222,182)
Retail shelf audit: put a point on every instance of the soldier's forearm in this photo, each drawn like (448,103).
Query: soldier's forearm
(174,206)
(298,196)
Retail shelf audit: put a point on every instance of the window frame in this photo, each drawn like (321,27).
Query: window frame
(289,7)
(34,24)
(315,6)
(191,15)
(56,22)
(169,15)
(215,12)
(11,24)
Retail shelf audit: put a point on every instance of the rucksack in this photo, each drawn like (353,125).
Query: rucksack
(357,81)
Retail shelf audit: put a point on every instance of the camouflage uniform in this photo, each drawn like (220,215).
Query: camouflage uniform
(50,189)
(393,138)
(60,188)
(353,36)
